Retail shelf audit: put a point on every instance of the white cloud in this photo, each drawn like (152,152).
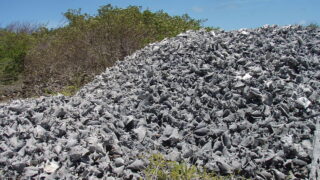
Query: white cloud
(197,9)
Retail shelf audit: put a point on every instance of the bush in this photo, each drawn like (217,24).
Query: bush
(74,54)
(13,49)
(49,61)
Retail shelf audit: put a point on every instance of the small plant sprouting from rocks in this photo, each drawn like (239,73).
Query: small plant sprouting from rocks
(162,169)
(69,90)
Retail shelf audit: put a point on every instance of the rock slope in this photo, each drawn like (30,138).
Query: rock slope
(243,102)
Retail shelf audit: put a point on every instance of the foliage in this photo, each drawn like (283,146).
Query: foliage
(313,25)
(66,91)
(23,27)
(74,54)
(13,48)
(48,60)
(162,169)
(69,90)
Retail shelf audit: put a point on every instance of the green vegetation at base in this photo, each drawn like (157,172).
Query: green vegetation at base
(66,91)
(49,60)
(162,169)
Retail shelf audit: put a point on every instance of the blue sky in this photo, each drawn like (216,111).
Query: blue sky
(227,14)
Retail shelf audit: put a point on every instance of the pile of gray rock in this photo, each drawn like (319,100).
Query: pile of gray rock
(241,102)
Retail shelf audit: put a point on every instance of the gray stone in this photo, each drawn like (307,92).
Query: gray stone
(202,131)
(232,101)
(303,102)
(119,162)
(140,132)
(136,165)
(174,156)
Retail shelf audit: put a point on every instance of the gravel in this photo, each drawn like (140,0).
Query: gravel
(242,102)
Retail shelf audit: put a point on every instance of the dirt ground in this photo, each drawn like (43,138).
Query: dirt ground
(10,92)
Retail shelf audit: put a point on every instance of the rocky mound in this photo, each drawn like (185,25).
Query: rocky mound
(241,102)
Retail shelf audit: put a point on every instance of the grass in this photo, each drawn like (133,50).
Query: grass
(66,91)
(69,90)
(162,169)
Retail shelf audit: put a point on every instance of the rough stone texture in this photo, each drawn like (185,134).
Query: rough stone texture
(315,166)
(242,102)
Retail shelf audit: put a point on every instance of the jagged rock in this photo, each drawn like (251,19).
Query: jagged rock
(119,162)
(136,165)
(174,156)
(303,102)
(141,133)
(118,170)
(239,101)
(51,167)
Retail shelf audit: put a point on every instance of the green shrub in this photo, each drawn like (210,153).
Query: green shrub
(89,44)
(48,60)
(13,48)
(162,169)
